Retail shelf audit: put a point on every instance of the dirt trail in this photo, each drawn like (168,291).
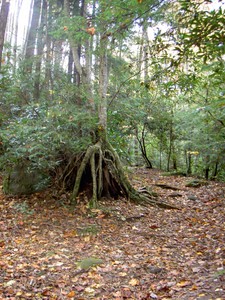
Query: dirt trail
(145,252)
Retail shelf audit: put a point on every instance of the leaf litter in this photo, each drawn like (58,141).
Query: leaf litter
(120,251)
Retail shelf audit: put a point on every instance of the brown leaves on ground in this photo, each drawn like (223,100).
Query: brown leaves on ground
(144,253)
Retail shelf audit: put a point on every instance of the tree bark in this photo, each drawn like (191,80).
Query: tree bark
(142,145)
(103,85)
(19,4)
(48,43)
(83,71)
(3,21)
(32,35)
(189,163)
(40,45)
(74,45)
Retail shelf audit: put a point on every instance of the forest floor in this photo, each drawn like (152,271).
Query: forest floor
(120,251)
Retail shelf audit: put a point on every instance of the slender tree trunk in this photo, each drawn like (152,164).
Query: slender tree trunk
(103,85)
(32,35)
(70,66)
(136,149)
(189,163)
(171,153)
(160,149)
(83,71)
(142,145)
(57,58)
(16,34)
(9,27)
(207,167)
(145,53)
(77,10)
(170,147)
(74,46)
(207,157)
(39,55)
(3,21)
(174,157)
(215,172)
(48,43)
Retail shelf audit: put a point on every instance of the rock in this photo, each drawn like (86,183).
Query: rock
(22,180)
(192,197)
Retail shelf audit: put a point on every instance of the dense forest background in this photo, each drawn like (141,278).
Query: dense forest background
(84,83)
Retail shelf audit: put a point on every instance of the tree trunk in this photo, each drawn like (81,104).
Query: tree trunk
(83,71)
(3,21)
(40,45)
(207,167)
(215,171)
(70,66)
(107,174)
(103,85)
(100,167)
(31,41)
(189,163)
(16,35)
(74,46)
(48,44)
(170,145)
(142,145)
(160,149)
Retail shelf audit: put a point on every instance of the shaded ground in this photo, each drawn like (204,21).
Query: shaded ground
(146,252)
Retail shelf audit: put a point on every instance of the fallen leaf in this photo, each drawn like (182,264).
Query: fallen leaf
(70,234)
(79,288)
(71,294)
(154,226)
(183,283)
(194,287)
(89,290)
(196,269)
(134,282)
(9,283)
(122,274)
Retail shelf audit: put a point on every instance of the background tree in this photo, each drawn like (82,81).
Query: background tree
(3,21)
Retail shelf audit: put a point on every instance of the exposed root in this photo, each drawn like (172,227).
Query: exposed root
(109,179)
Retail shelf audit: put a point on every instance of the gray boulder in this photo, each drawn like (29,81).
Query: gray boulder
(21,179)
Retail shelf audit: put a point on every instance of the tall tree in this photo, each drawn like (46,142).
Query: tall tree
(40,49)
(3,21)
(108,176)
(32,35)
(15,50)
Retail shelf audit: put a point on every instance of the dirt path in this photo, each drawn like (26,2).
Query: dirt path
(49,251)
